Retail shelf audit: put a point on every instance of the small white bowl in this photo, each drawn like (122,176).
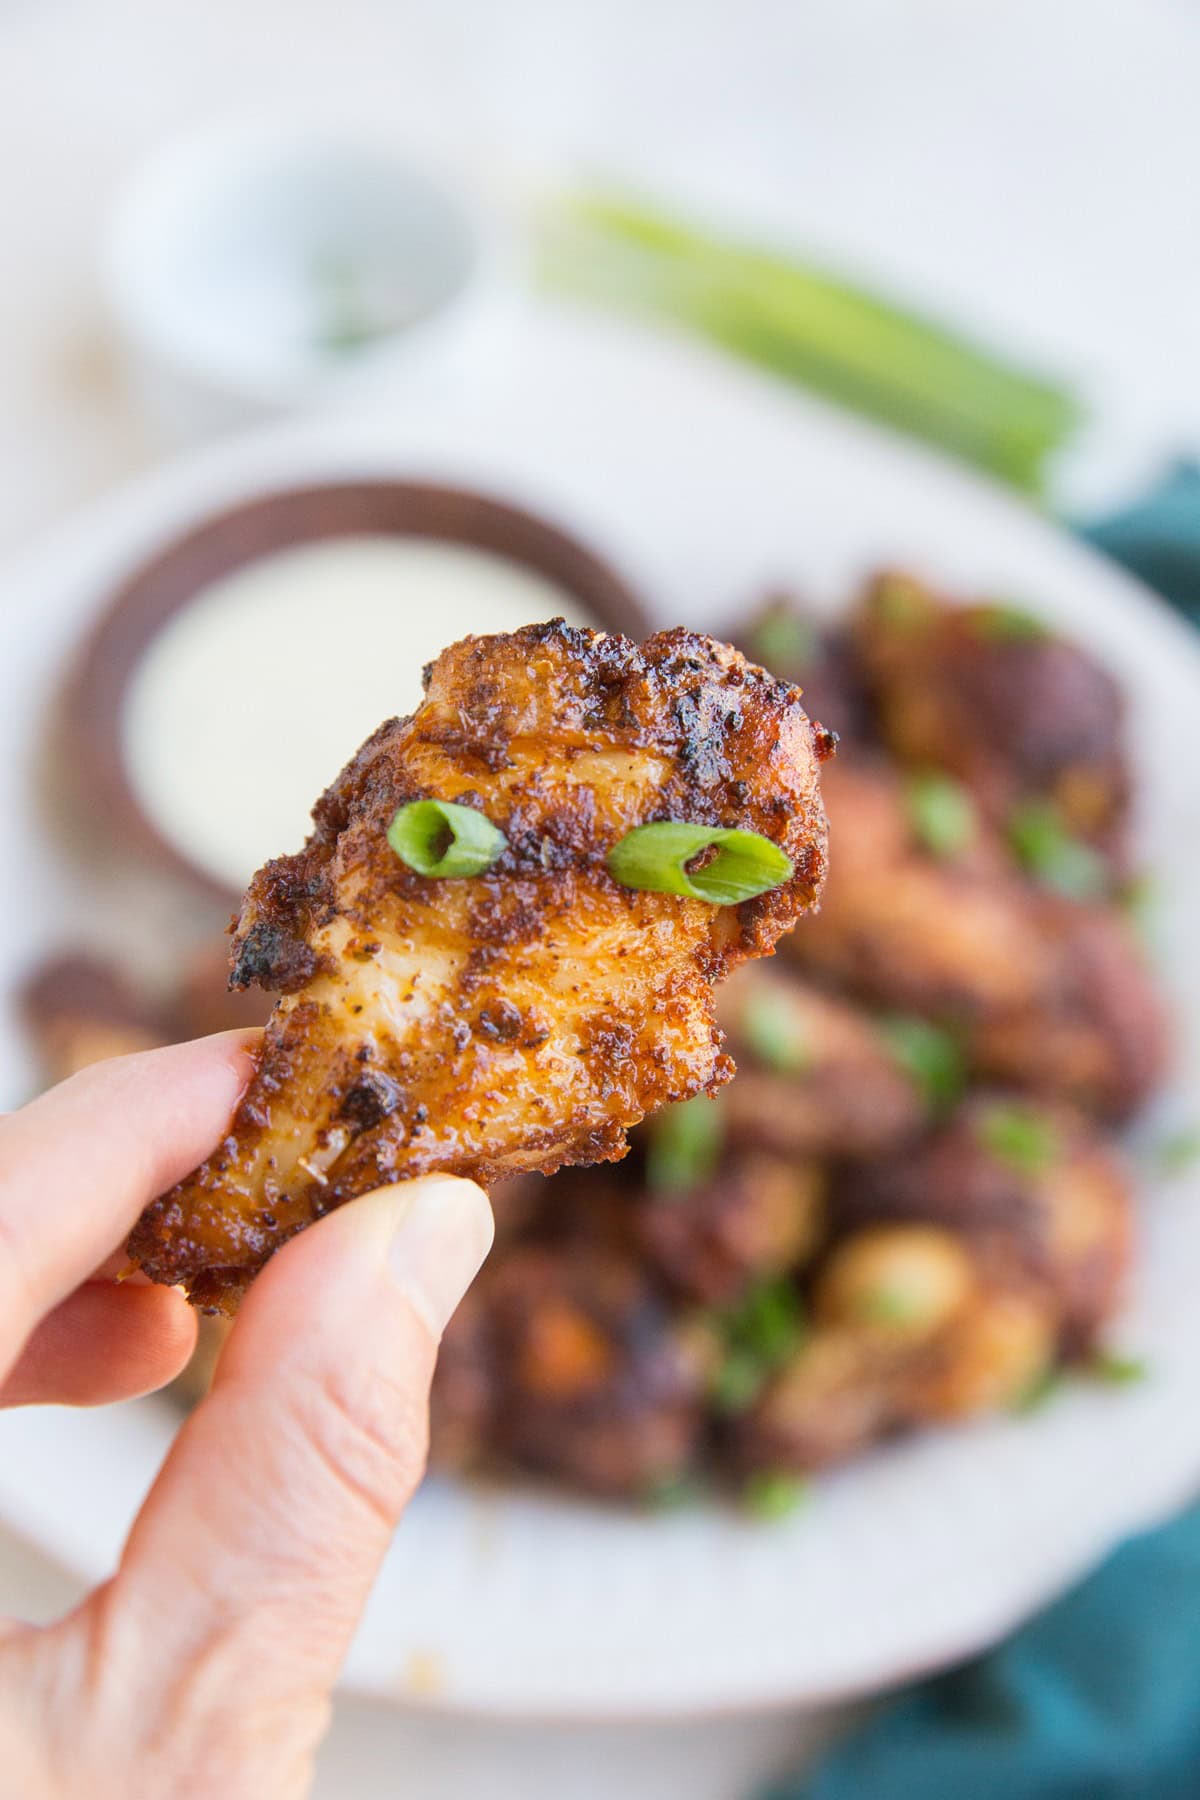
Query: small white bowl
(259,267)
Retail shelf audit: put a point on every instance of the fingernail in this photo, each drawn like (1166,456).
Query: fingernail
(438,1244)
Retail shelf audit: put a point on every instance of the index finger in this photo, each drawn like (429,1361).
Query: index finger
(78,1164)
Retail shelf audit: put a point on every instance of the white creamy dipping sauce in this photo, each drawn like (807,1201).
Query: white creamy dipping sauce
(254,695)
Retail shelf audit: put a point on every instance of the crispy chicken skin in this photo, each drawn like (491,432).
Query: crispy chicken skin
(523,1018)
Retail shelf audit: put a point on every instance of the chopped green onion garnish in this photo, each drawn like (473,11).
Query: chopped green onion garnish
(1052,855)
(900,601)
(656,857)
(1179,1152)
(346,322)
(673,1493)
(774,1032)
(941,813)
(928,1054)
(435,837)
(685,1144)
(1039,1392)
(736,1383)
(762,1332)
(1138,898)
(1020,1136)
(1007,624)
(1115,1370)
(783,640)
(769,1322)
(893,1306)
(771,1494)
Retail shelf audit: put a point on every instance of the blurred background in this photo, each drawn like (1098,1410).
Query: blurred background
(1016,168)
(962,223)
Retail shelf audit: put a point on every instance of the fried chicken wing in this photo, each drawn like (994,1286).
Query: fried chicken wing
(1046,993)
(526,1017)
(989,694)
(815,1074)
(1032,1186)
(911,1324)
(566,1363)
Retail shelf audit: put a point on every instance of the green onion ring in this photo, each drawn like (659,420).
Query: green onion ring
(435,837)
(655,857)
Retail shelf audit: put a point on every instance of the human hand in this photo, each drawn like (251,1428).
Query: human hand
(206,1663)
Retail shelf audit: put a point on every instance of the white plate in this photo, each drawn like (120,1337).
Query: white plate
(706,484)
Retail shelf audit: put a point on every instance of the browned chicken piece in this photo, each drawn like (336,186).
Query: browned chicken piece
(526,1017)
(1100,1036)
(79,1010)
(910,1325)
(1032,1187)
(789,641)
(757,1216)
(989,694)
(816,1076)
(1045,993)
(936,935)
(564,1364)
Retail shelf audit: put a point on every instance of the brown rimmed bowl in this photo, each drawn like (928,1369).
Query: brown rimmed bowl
(97,691)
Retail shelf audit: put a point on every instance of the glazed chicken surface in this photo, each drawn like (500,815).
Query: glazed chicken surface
(526,1017)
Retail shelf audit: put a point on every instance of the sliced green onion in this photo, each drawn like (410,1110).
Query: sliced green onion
(435,837)
(810,325)
(1052,855)
(772,1494)
(893,1306)
(900,602)
(655,857)
(761,1333)
(929,1055)
(1007,624)
(769,1322)
(1138,898)
(1115,1369)
(1045,1386)
(673,1493)
(1020,1136)
(346,321)
(736,1384)
(1179,1152)
(782,640)
(775,1034)
(941,813)
(685,1143)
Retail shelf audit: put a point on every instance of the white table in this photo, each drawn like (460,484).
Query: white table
(1017,163)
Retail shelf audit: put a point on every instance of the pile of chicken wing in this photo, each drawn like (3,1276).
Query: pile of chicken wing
(909,1206)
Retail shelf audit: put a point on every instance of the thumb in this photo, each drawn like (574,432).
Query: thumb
(251,1560)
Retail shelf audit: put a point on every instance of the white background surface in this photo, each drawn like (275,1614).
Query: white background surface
(1027,166)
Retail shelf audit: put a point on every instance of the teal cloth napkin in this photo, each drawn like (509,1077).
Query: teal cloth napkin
(1158,538)
(1099,1697)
